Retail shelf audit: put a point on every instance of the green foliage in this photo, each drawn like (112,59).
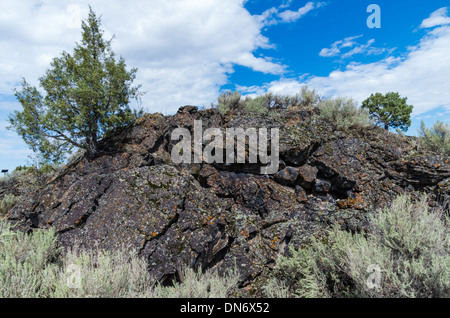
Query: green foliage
(408,243)
(7,202)
(33,266)
(258,105)
(87,96)
(309,97)
(389,110)
(343,113)
(195,284)
(263,104)
(229,101)
(23,260)
(437,138)
(97,274)
(21,168)
(24,181)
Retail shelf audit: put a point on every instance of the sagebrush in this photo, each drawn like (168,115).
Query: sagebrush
(436,138)
(409,243)
(32,266)
(234,101)
(343,113)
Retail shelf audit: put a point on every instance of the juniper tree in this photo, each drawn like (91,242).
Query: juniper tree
(389,110)
(87,96)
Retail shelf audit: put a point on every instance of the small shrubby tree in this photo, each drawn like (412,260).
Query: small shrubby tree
(389,110)
(436,138)
(229,101)
(343,113)
(87,97)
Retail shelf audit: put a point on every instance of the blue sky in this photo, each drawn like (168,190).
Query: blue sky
(189,51)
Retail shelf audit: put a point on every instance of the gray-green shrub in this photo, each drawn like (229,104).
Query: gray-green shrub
(258,105)
(31,265)
(409,244)
(343,113)
(23,258)
(436,138)
(305,98)
(198,284)
(229,101)
(7,202)
(309,97)
(264,103)
(101,274)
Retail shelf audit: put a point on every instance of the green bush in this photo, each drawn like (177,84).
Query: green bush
(8,201)
(25,181)
(97,274)
(263,104)
(23,260)
(195,284)
(343,113)
(309,97)
(437,138)
(408,243)
(229,101)
(258,105)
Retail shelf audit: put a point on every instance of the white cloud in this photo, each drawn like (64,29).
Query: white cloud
(184,49)
(291,16)
(349,43)
(437,18)
(422,75)
(286,4)
(273,15)
(336,47)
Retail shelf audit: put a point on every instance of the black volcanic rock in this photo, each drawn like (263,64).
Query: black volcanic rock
(134,197)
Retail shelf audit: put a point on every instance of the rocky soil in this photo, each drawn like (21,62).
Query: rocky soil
(134,197)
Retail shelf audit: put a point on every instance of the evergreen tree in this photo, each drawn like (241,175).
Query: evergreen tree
(389,110)
(87,97)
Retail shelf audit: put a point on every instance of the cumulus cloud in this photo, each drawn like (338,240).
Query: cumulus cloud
(437,18)
(184,50)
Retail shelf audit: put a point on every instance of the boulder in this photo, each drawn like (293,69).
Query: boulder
(287,176)
(307,176)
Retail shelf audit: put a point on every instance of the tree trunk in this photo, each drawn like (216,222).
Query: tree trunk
(92,147)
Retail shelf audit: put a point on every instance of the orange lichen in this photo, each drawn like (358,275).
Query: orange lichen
(357,202)
(245,233)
